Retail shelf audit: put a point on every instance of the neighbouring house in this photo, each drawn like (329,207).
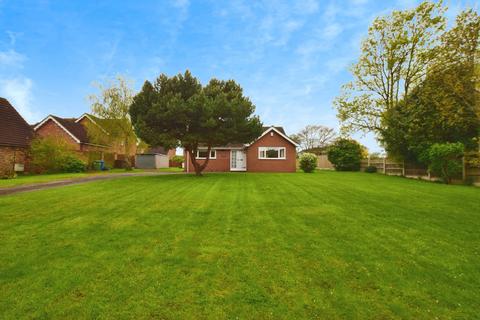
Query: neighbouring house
(75,132)
(72,131)
(154,158)
(15,137)
(273,151)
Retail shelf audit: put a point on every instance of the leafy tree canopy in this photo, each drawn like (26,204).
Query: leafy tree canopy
(111,108)
(179,112)
(444,107)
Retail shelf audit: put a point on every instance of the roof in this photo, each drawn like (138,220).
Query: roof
(14,130)
(280,129)
(76,130)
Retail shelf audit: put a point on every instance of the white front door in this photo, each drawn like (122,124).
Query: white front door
(238,160)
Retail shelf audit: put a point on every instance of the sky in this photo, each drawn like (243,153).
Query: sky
(291,57)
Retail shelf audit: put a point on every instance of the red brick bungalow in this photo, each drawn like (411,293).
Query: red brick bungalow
(273,151)
(15,137)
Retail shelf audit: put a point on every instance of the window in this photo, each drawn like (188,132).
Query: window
(202,154)
(271,153)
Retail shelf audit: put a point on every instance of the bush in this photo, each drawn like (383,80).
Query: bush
(371,169)
(444,160)
(308,162)
(177,160)
(48,154)
(51,156)
(72,164)
(345,155)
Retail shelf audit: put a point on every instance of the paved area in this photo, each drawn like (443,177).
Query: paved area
(66,182)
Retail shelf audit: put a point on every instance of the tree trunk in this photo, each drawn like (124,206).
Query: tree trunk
(197,166)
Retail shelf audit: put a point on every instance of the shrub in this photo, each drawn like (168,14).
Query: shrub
(48,154)
(444,159)
(345,155)
(72,164)
(178,160)
(308,162)
(371,169)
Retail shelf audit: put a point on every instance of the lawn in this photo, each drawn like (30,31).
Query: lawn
(28,179)
(327,245)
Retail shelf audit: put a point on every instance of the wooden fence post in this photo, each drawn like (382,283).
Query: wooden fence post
(403,168)
(464,169)
(384,165)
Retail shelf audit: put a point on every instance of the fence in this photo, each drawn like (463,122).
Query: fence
(323,163)
(470,170)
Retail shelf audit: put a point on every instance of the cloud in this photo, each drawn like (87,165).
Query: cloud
(182,4)
(359,2)
(11,59)
(15,86)
(307,6)
(19,92)
(331,31)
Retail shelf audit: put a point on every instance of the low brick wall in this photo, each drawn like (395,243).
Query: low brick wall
(9,156)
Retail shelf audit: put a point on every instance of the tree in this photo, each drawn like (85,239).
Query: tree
(112,107)
(395,58)
(345,154)
(444,160)
(179,112)
(444,107)
(314,136)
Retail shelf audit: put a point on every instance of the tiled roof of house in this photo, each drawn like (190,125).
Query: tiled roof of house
(278,128)
(14,130)
(75,128)
(241,145)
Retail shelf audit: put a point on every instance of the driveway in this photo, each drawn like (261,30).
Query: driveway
(66,182)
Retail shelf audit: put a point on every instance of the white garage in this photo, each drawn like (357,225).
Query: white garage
(151,161)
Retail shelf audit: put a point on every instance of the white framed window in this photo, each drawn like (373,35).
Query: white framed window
(202,154)
(272,153)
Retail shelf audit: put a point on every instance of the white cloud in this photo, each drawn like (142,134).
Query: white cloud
(14,86)
(19,92)
(307,6)
(11,58)
(339,64)
(182,4)
(331,31)
(359,2)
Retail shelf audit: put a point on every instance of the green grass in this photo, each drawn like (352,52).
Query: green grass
(27,179)
(327,245)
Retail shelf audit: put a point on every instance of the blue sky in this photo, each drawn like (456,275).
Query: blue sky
(291,57)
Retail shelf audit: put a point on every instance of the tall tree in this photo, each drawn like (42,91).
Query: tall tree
(395,58)
(444,107)
(112,107)
(178,112)
(314,136)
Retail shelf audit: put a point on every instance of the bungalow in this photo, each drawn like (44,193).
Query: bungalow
(273,151)
(15,136)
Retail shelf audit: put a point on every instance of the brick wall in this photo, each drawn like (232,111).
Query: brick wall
(271,139)
(220,164)
(9,156)
(51,129)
